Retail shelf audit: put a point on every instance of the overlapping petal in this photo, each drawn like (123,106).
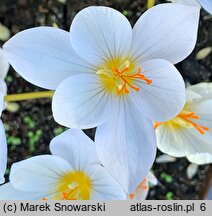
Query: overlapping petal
(3,152)
(200,158)
(187,2)
(81,102)
(181,141)
(76,148)
(44,56)
(100,33)
(8,192)
(175,142)
(41,176)
(126,145)
(164,98)
(39,173)
(204,89)
(207,5)
(142,189)
(166,31)
(104,186)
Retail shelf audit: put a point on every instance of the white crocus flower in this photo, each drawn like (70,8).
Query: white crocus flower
(4,66)
(206,4)
(72,172)
(118,78)
(190,133)
(142,189)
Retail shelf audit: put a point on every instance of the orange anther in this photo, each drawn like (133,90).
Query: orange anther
(66,197)
(131,196)
(143,185)
(186,118)
(199,128)
(156,124)
(127,79)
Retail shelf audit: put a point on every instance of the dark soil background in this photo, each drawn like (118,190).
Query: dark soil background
(30,130)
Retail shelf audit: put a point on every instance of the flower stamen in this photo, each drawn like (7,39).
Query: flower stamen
(143,185)
(118,76)
(126,78)
(156,124)
(201,129)
(185,120)
(66,196)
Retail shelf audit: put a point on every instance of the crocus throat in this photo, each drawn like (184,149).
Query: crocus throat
(75,185)
(186,119)
(118,76)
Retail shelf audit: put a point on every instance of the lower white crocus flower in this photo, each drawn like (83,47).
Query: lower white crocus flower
(4,66)
(117,78)
(190,133)
(206,4)
(72,172)
(142,189)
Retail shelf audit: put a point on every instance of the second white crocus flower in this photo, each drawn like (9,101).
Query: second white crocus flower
(72,172)
(190,133)
(4,66)
(117,78)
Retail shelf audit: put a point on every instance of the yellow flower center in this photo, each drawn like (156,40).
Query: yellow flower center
(118,76)
(186,120)
(74,185)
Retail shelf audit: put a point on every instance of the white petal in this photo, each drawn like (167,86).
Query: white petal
(76,148)
(3,152)
(207,5)
(165,97)
(202,108)
(200,158)
(164,158)
(104,186)
(203,89)
(192,95)
(191,170)
(81,102)
(44,56)
(8,192)
(166,31)
(187,2)
(100,33)
(126,146)
(4,65)
(173,141)
(152,179)
(39,173)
